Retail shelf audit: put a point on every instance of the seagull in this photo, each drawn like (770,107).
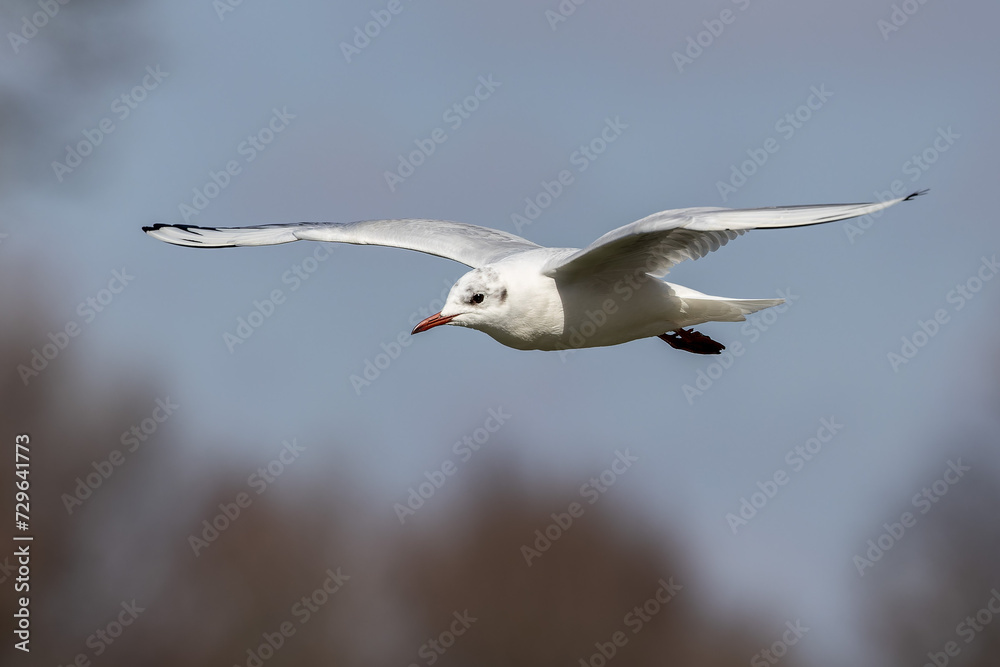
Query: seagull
(530,297)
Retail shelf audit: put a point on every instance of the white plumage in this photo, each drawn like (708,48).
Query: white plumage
(530,297)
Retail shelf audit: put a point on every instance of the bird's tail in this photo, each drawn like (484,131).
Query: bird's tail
(705,307)
(747,306)
(721,309)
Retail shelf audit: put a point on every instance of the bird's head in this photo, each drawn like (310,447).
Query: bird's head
(478,301)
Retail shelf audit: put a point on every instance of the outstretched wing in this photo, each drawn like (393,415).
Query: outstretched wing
(658,242)
(469,244)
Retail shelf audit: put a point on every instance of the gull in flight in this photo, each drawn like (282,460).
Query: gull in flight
(534,298)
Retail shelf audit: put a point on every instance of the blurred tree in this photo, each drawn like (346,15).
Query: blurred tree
(943,572)
(581,588)
(930,591)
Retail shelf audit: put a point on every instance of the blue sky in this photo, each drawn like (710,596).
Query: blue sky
(888,99)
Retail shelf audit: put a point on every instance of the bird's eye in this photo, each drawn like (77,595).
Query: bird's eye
(478,297)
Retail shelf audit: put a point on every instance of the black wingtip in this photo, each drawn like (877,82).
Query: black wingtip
(192,230)
(918,193)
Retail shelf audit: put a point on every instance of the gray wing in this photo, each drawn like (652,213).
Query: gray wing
(469,244)
(657,243)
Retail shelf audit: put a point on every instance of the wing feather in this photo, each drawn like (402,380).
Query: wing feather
(660,241)
(469,244)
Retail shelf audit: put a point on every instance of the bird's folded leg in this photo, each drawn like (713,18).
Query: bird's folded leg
(692,341)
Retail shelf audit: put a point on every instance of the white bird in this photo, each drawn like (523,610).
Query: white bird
(530,297)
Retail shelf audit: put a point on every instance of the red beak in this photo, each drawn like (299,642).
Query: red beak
(433,321)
